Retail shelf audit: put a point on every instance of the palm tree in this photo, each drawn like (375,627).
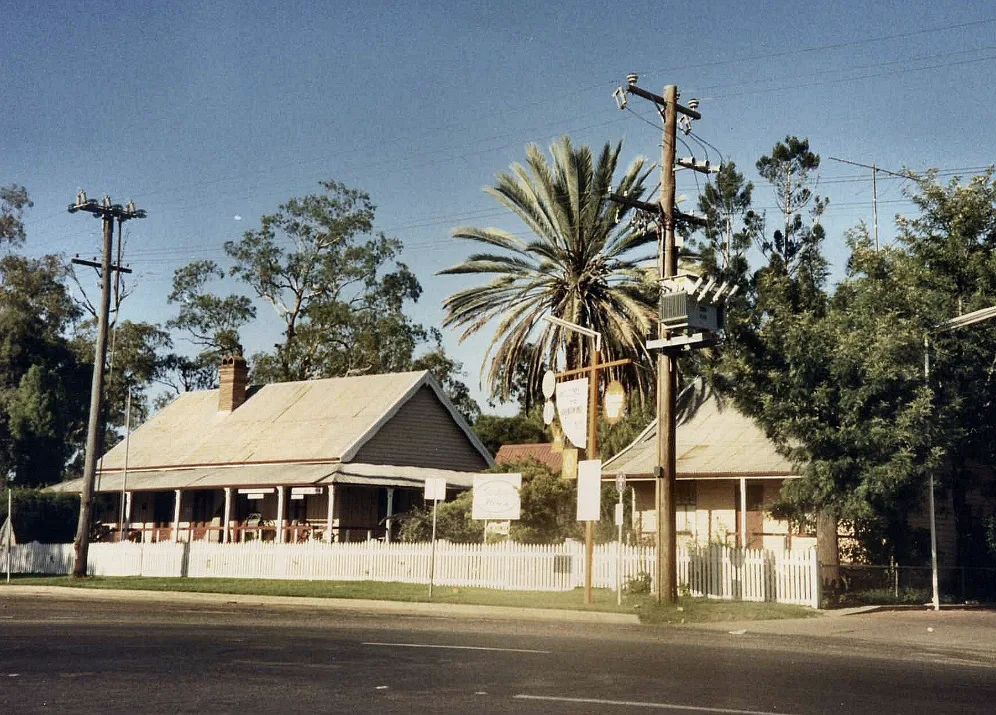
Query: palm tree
(577,263)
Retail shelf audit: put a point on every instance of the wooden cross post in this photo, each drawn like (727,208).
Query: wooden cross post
(591,451)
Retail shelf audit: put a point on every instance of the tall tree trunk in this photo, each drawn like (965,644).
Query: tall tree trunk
(826,549)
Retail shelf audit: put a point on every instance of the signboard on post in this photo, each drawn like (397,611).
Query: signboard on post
(589,489)
(435,489)
(498,528)
(496,497)
(572,408)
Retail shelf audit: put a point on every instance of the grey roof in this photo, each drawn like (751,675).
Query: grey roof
(269,475)
(313,421)
(713,440)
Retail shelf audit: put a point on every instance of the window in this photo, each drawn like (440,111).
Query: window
(755,497)
(684,493)
(684,507)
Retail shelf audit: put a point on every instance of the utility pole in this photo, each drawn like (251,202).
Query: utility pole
(107,212)
(875,170)
(667,568)
(666,571)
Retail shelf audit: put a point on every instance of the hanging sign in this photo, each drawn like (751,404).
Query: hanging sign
(569,463)
(615,402)
(572,408)
(549,383)
(496,497)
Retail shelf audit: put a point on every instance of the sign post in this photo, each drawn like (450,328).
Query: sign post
(620,487)
(435,489)
(7,530)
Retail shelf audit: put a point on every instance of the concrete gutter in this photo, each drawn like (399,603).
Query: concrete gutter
(407,608)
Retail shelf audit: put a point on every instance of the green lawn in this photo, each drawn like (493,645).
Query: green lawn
(688,611)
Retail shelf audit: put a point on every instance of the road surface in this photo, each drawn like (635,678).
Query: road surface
(65,656)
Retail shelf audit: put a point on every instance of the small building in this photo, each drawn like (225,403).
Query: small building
(542,452)
(334,459)
(728,475)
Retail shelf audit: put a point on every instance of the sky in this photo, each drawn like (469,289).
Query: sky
(209,114)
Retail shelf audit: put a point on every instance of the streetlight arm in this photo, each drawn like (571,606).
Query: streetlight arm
(577,328)
(976,316)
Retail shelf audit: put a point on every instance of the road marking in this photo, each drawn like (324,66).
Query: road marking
(284,664)
(639,704)
(458,647)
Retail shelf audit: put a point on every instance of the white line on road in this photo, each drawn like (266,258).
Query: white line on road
(638,704)
(459,647)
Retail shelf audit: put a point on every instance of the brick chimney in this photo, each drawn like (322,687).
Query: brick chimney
(233,377)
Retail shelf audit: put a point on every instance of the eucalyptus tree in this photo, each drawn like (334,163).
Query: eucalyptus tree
(580,260)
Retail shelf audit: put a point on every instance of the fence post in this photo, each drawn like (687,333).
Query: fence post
(816,579)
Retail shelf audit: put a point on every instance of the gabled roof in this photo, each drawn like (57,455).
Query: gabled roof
(317,421)
(713,440)
(542,453)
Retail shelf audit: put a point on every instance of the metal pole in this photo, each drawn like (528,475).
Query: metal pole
(875,205)
(124,478)
(619,555)
(592,450)
(935,594)
(10,530)
(432,553)
(81,545)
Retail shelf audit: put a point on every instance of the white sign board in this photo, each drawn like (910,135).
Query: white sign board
(257,490)
(496,497)
(498,528)
(620,482)
(305,490)
(589,489)
(619,514)
(549,383)
(572,407)
(7,537)
(435,489)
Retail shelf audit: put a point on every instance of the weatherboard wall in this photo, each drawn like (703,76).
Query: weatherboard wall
(422,433)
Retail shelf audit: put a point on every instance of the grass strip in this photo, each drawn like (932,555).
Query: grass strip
(688,610)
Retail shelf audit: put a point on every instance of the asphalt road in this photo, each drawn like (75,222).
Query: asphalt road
(61,656)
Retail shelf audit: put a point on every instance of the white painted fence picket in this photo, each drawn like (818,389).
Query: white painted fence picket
(711,571)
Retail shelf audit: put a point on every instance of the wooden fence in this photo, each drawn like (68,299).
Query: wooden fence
(711,572)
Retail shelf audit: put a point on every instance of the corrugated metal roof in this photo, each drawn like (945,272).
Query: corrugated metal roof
(713,440)
(268,475)
(317,420)
(542,453)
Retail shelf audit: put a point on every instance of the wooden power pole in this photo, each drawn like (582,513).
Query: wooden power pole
(667,569)
(107,212)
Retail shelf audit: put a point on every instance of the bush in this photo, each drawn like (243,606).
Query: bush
(640,583)
(48,517)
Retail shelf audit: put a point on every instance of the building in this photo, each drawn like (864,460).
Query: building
(542,452)
(334,459)
(728,475)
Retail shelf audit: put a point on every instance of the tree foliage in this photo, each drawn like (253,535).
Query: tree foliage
(836,377)
(13,200)
(43,386)
(581,262)
(522,428)
(336,285)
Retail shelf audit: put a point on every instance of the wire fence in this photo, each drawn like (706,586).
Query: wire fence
(960,583)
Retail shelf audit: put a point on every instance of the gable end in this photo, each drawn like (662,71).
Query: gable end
(422,433)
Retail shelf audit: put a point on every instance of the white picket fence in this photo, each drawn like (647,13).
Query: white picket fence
(711,572)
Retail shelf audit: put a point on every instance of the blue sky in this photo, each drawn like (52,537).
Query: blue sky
(207,111)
